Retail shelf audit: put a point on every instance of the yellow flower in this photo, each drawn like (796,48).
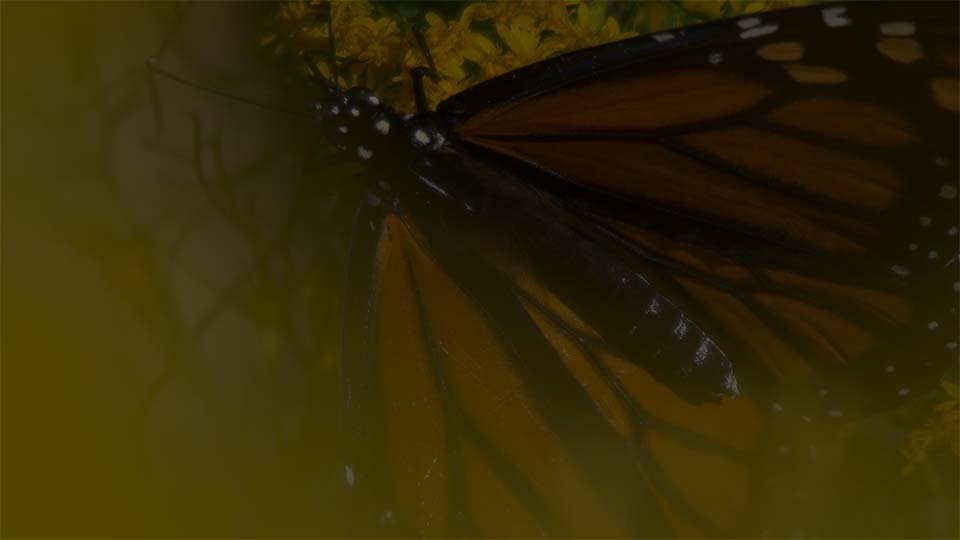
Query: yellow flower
(592,27)
(382,50)
(591,16)
(552,16)
(373,45)
(376,40)
(940,430)
(654,17)
(708,9)
(951,388)
(286,26)
(451,44)
(738,7)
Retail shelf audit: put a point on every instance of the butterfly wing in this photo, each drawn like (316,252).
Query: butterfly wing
(478,404)
(788,181)
(538,345)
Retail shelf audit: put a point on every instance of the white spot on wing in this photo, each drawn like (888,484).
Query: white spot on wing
(663,36)
(730,383)
(764,30)
(952,231)
(933,254)
(373,100)
(348,475)
(715,57)
(703,350)
(343,129)
(653,308)
(904,392)
(913,247)
(948,192)
(952,345)
(335,110)
(681,328)
(900,270)
(364,153)
(836,16)
(748,22)
(354,112)
(933,325)
(925,221)
(899,28)
(382,126)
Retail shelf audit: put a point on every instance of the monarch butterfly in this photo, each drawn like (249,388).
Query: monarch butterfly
(583,296)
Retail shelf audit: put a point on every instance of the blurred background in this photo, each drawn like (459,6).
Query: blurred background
(170,281)
(171,270)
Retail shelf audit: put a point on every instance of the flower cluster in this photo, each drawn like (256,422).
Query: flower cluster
(484,40)
(941,430)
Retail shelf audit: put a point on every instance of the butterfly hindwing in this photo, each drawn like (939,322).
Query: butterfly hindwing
(437,404)
(474,374)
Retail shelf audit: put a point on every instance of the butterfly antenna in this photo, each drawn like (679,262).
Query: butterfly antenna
(417,30)
(333,52)
(418,73)
(154,66)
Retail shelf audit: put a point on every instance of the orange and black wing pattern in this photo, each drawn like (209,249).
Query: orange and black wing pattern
(788,180)
(635,271)
(478,404)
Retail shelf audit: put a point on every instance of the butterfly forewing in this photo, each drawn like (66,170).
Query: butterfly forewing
(788,180)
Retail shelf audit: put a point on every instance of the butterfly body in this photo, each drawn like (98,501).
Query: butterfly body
(584,290)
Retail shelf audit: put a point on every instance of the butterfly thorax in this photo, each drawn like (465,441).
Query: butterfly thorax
(356,121)
(405,150)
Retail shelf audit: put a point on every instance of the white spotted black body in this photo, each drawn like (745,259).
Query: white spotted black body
(400,150)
